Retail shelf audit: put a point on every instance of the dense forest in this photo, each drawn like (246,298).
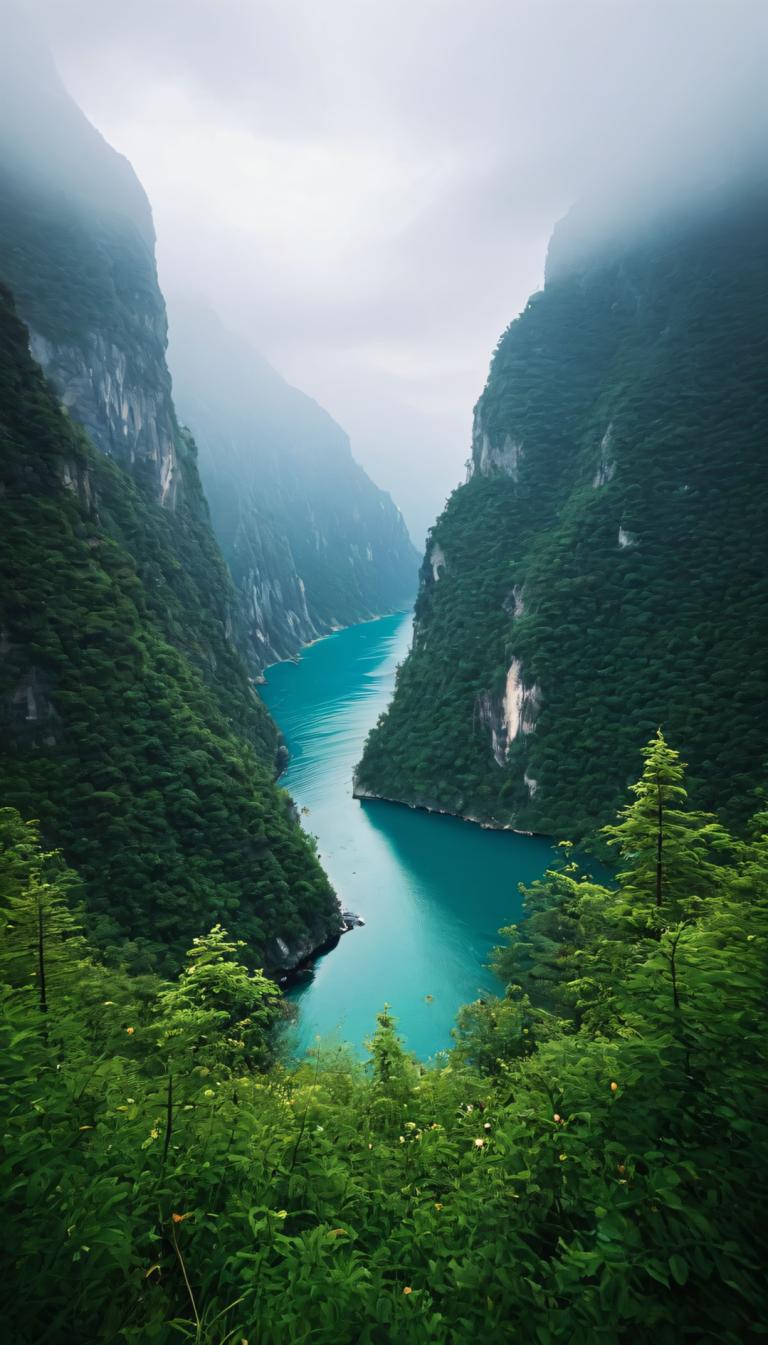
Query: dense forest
(558,1176)
(156,779)
(604,570)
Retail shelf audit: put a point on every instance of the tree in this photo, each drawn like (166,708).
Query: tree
(393,1069)
(218,1013)
(42,946)
(668,870)
(540,955)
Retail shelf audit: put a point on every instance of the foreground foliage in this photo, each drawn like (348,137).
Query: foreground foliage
(587,1164)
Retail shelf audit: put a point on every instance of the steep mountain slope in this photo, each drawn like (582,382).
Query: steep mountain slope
(109,734)
(130,727)
(604,569)
(311,542)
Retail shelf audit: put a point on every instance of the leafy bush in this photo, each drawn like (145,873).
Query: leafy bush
(597,1174)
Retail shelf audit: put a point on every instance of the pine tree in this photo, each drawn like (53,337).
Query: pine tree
(42,948)
(218,1013)
(668,870)
(393,1069)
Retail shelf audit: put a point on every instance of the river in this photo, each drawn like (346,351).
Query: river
(433,890)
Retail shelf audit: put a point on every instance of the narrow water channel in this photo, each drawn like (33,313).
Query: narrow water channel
(433,890)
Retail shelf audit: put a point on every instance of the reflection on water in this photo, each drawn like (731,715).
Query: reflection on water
(433,890)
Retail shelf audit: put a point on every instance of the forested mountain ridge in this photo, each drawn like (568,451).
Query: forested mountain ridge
(603,571)
(155,785)
(311,542)
(130,727)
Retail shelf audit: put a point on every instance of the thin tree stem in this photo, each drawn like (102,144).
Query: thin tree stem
(168,1119)
(41,957)
(177,1249)
(659,845)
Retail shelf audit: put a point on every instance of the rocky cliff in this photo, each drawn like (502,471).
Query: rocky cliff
(604,569)
(311,542)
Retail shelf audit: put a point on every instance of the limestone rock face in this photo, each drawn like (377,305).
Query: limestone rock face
(122,398)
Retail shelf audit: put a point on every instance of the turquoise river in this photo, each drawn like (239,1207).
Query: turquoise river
(433,890)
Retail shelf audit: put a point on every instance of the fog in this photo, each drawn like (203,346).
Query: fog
(366,187)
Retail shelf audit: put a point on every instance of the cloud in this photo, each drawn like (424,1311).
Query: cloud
(367,186)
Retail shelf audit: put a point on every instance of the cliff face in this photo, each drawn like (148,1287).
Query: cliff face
(129,725)
(311,542)
(603,571)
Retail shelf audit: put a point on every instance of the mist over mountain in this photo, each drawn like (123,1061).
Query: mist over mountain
(366,192)
(311,542)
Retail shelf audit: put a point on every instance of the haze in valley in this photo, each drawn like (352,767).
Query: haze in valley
(366,190)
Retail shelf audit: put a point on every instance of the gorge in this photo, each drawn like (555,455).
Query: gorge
(374,974)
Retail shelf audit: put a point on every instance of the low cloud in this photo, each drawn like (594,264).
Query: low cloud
(367,188)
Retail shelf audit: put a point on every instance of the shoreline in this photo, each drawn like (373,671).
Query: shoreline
(336,630)
(362,795)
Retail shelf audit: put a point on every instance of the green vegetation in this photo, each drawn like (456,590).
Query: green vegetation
(588,1164)
(129,728)
(632,393)
(76,271)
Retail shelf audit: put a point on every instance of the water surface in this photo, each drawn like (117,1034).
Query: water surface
(433,890)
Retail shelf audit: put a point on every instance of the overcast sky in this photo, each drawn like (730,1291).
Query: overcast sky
(366,187)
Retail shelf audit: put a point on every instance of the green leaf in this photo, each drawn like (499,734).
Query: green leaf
(679,1268)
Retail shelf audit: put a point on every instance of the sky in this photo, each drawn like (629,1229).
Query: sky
(365,188)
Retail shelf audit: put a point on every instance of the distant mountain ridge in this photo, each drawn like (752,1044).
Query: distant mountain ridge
(311,542)
(605,568)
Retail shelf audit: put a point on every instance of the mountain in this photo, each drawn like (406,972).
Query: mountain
(311,542)
(130,727)
(603,571)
